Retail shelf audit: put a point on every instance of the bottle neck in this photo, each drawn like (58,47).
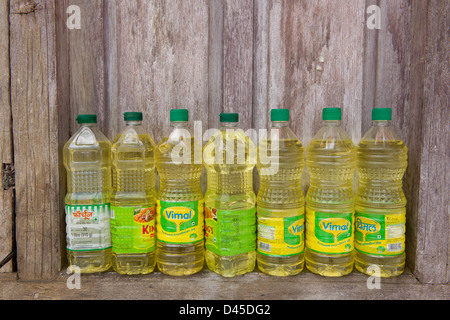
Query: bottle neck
(88,125)
(280,124)
(332,123)
(178,124)
(381,123)
(133,123)
(229,125)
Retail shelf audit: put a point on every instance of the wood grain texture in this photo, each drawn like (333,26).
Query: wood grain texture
(215,62)
(157,59)
(207,285)
(432,255)
(65,120)
(369,69)
(6,146)
(238,59)
(87,63)
(35,121)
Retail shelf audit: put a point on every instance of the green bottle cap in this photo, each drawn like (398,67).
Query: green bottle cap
(87,118)
(279,115)
(132,116)
(332,114)
(381,114)
(229,117)
(181,115)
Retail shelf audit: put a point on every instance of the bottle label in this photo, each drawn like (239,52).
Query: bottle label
(133,229)
(380,234)
(329,233)
(230,232)
(180,222)
(88,227)
(281,236)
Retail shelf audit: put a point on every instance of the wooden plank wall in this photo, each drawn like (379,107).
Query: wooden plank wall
(213,56)
(433,240)
(6,150)
(36,130)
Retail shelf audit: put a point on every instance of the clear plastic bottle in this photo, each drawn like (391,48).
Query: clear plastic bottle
(380,201)
(330,201)
(180,205)
(87,159)
(133,199)
(280,201)
(230,214)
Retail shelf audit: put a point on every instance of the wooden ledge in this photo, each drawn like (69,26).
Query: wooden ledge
(207,285)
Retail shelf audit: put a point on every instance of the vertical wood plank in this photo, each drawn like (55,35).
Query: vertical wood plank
(63,117)
(260,115)
(260,111)
(87,63)
(215,62)
(370,70)
(159,52)
(6,146)
(238,59)
(433,220)
(35,114)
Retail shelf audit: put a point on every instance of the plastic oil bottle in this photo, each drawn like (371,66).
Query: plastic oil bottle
(87,159)
(180,205)
(280,201)
(330,201)
(230,214)
(133,198)
(380,201)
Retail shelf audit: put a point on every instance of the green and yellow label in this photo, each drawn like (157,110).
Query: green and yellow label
(230,232)
(329,233)
(380,234)
(180,222)
(281,236)
(133,229)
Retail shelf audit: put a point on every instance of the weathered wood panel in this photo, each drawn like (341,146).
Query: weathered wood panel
(210,286)
(433,238)
(162,61)
(238,59)
(86,48)
(64,113)
(6,150)
(36,143)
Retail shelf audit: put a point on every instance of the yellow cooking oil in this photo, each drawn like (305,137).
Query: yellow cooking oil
(280,201)
(133,215)
(380,201)
(88,163)
(230,213)
(180,206)
(330,201)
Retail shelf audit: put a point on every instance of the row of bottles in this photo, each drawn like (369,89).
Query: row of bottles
(120,220)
